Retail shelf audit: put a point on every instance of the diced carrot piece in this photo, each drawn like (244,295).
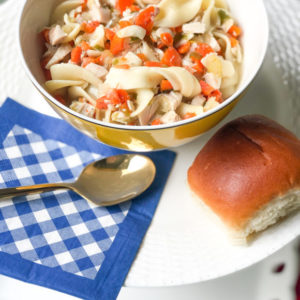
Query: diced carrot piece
(60,99)
(204,49)
(109,34)
(101,104)
(45,35)
(84,4)
(235,31)
(206,88)
(218,95)
(76,55)
(185,48)
(125,23)
(118,45)
(134,8)
(125,67)
(85,46)
(123,96)
(88,60)
(122,5)
(189,115)
(178,29)
(233,41)
(156,122)
(145,18)
(167,39)
(171,57)
(89,27)
(142,56)
(199,67)
(166,85)
(153,64)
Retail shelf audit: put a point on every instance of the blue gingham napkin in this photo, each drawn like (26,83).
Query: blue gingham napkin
(57,239)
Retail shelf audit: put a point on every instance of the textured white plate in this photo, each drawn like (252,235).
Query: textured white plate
(182,245)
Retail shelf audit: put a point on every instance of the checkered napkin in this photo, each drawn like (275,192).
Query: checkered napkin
(57,239)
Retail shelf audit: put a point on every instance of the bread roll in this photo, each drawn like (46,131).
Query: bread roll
(248,174)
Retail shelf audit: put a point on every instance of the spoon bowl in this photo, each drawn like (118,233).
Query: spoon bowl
(115,179)
(106,182)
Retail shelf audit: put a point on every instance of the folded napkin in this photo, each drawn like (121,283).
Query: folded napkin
(59,240)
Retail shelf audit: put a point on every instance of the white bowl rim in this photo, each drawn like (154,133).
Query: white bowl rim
(228,101)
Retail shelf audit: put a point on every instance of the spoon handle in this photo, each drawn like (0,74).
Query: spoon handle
(32,189)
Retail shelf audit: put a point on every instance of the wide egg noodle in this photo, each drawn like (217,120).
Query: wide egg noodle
(65,71)
(174,13)
(144,97)
(225,38)
(71,29)
(75,92)
(53,85)
(150,77)
(63,8)
(208,6)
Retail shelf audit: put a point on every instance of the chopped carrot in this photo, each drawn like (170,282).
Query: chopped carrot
(195,57)
(122,5)
(178,29)
(101,104)
(134,8)
(235,31)
(145,18)
(89,27)
(84,4)
(166,85)
(118,45)
(116,96)
(47,72)
(45,35)
(189,115)
(60,99)
(109,34)
(76,55)
(142,56)
(153,64)
(167,39)
(203,49)
(160,45)
(123,96)
(185,48)
(125,67)
(206,88)
(85,46)
(171,57)
(218,95)
(199,67)
(88,60)
(125,23)
(156,122)
(233,41)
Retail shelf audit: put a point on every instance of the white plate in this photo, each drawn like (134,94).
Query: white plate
(182,245)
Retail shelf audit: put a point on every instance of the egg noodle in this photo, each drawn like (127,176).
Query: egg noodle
(142,62)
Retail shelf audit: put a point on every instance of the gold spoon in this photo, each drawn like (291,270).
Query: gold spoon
(108,181)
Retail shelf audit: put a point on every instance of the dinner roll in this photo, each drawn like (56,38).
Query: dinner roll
(248,174)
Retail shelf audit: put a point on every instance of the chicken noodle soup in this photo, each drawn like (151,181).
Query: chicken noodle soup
(142,62)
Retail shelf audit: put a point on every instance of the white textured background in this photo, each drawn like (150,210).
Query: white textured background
(284,51)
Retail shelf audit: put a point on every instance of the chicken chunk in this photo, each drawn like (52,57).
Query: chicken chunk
(56,35)
(59,55)
(99,71)
(170,117)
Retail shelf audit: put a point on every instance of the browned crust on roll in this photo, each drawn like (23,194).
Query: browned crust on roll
(245,165)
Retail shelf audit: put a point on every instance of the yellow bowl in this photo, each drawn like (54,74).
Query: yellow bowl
(252,17)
